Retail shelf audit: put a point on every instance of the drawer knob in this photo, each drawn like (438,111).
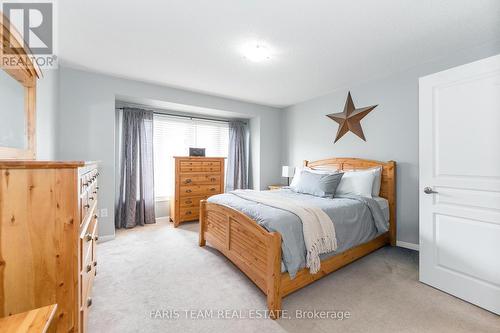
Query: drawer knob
(89,268)
(97,187)
(212,189)
(212,179)
(95,192)
(87,206)
(95,263)
(96,238)
(188,202)
(89,301)
(188,212)
(189,191)
(91,198)
(188,181)
(88,237)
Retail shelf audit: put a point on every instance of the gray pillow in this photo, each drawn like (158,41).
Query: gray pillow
(319,185)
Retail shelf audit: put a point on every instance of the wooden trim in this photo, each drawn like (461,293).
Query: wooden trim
(303,277)
(30,113)
(274,276)
(257,252)
(33,321)
(29,164)
(26,73)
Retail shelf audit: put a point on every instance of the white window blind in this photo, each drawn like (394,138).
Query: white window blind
(173,136)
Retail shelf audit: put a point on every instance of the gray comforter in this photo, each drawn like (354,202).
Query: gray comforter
(357,220)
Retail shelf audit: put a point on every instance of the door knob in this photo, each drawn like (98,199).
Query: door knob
(429,190)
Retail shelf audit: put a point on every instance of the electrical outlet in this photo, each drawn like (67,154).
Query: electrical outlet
(104,212)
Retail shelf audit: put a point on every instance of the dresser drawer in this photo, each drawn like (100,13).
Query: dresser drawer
(211,163)
(202,168)
(86,297)
(189,213)
(188,202)
(92,198)
(192,190)
(88,193)
(195,179)
(214,168)
(88,263)
(88,180)
(94,245)
(84,206)
(86,273)
(87,238)
(185,164)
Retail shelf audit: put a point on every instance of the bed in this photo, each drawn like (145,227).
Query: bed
(257,252)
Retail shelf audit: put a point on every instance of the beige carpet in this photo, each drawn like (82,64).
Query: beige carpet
(151,269)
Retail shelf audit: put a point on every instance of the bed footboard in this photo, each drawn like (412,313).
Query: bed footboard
(254,250)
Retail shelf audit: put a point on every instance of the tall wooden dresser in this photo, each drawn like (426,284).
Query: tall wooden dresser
(196,178)
(48,231)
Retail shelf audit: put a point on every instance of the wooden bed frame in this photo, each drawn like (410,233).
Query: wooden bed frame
(257,252)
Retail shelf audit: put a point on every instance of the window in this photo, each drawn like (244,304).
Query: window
(173,136)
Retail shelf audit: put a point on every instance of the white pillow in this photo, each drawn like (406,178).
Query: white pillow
(298,171)
(357,183)
(377,181)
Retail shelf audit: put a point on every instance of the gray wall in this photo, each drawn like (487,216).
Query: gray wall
(87,122)
(46,112)
(77,121)
(391,129)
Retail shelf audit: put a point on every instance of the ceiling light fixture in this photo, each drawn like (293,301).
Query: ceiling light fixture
(256,52)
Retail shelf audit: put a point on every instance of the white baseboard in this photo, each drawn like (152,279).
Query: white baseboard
(106,238)
(162,219)
(406,245)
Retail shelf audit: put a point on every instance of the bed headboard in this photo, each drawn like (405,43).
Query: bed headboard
(387,188)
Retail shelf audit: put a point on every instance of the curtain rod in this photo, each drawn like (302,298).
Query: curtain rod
(180,115)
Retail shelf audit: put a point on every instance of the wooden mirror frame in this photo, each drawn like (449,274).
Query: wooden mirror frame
(26,73)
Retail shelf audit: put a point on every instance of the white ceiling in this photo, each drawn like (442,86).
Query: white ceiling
(319,45)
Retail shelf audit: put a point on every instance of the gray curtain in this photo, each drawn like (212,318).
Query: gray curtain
(136,198)
(237,160)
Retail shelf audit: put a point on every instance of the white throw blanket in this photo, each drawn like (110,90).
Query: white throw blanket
(318,228)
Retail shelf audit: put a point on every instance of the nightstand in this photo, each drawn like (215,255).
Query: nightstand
(276,187)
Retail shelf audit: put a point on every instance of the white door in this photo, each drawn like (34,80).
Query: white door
(460,182)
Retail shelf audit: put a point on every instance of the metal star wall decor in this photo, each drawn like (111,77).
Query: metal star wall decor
(349,119)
